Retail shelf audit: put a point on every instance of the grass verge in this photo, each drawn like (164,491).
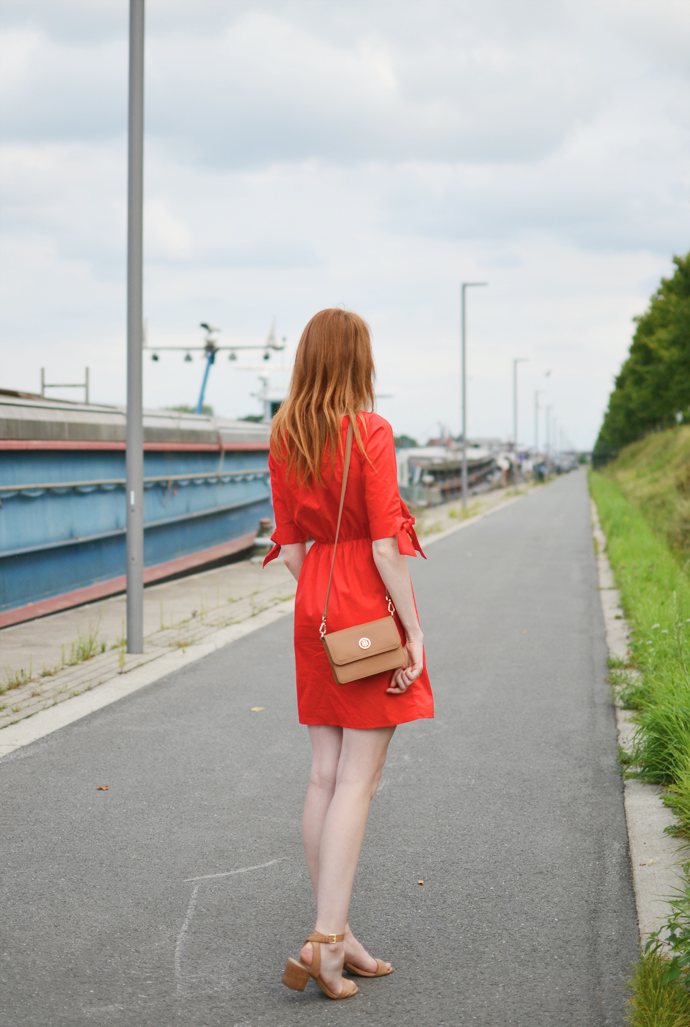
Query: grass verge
(654,474)
(655,595)
(655,1004)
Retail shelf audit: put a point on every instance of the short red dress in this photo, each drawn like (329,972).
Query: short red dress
(373,509)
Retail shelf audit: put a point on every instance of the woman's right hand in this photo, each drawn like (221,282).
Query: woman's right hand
(404,676)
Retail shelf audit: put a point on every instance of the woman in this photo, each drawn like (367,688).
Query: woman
(350,725)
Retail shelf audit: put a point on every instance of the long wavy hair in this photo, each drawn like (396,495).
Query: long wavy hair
(333,376)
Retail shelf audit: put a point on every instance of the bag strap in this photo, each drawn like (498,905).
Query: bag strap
(346,468)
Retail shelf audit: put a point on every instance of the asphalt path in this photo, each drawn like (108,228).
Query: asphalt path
(175,896)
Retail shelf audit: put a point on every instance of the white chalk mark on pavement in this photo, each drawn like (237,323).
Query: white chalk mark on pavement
(192,906)
(181,936)
(228,873)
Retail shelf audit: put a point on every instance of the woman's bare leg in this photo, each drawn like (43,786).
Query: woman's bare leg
(359,766)
(326,743)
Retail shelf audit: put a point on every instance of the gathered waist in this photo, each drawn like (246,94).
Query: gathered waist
(341,541)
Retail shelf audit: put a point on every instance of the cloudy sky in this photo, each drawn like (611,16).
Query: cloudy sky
(366,153)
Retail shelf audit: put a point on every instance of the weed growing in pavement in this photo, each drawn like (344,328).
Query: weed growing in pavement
(86,647)
(180,643)
(616,663)
(50,672)
(655,1004)
(655,595)
(678,939)
(15,679)
(628,689)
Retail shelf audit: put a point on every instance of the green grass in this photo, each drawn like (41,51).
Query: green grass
(655,596)
(85,647)
(654,474)
(655,1004)
(15,679)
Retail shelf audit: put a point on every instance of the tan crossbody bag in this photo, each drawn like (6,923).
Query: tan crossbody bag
(364,649)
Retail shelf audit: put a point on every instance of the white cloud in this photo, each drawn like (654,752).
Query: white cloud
(302,154)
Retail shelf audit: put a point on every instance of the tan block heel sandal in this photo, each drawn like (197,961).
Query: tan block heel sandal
(381,971)
(298,973)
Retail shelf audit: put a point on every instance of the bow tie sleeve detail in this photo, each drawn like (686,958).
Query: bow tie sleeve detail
(407,536)
(274,553)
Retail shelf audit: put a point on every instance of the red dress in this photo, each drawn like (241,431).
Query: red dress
(373,509)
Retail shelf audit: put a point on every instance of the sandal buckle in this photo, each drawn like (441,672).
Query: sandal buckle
(332,939)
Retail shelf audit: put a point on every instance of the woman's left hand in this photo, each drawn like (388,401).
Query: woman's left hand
(404,676)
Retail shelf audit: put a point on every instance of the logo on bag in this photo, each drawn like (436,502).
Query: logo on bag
(364,643)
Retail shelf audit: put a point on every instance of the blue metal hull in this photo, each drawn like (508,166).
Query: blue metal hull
(67,533)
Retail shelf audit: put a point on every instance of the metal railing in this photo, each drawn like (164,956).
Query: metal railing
(34,490)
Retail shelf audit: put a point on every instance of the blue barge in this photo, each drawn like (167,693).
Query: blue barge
(62,498)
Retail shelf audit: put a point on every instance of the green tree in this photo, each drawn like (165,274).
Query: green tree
(652,390)
(184,408)
(405,442)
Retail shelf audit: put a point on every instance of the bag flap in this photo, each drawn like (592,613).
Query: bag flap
(378,636)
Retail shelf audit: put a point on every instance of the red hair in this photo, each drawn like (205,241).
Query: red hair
(333,376)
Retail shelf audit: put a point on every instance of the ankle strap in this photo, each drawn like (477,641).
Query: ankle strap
(326,939)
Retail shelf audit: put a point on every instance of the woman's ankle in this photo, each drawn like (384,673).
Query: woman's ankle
(330,933)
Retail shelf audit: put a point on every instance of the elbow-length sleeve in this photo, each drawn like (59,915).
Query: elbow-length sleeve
(286,532)
(387,513)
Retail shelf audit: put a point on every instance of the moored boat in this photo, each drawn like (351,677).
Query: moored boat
(62,498)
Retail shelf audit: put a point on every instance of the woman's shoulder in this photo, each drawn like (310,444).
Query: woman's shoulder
(374,423)
(377,436)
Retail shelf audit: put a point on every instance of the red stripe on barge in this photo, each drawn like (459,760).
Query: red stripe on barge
(104,589)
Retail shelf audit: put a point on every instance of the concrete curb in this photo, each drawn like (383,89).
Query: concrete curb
(30,729)
(44,723)
(654,856)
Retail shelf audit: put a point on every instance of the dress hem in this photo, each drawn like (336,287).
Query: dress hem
(365,727)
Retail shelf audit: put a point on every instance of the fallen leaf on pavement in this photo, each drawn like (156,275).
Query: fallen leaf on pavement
(420,881)
(256,709)
(101,788)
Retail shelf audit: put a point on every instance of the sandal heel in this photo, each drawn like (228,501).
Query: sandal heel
(295,975)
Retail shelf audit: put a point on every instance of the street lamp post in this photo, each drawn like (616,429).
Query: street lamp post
(516,361)
(135,421)
(548,434)
(465,285)
(537,394)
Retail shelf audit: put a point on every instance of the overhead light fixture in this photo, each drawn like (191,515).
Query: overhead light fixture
(233,355)
(188,358)
(267,355)
(154,356)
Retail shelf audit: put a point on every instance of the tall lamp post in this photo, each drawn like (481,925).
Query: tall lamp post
(135,420)
(518,359)
(537,394)
(465,285)
(548,434)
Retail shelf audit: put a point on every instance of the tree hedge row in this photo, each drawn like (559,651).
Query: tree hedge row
(652,390)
